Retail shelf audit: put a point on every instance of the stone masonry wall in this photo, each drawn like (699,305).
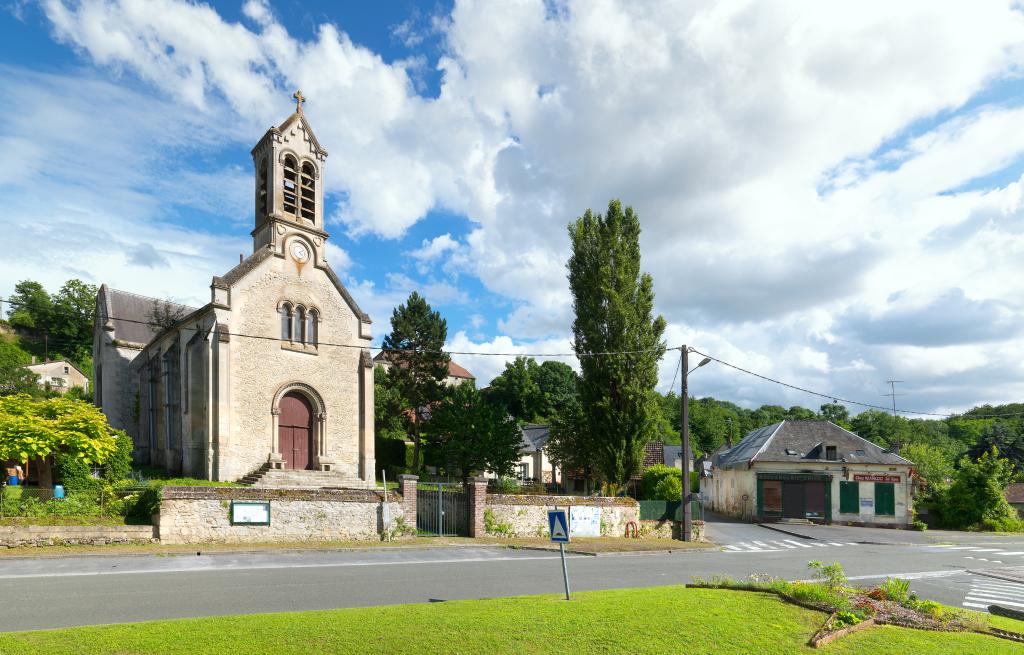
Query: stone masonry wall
(202,515)
(12,536)
(527,516)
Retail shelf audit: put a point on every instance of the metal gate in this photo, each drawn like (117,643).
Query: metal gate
(442,509)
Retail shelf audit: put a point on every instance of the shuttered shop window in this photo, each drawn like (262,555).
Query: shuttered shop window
(885,499)
(771,495)
(849,497)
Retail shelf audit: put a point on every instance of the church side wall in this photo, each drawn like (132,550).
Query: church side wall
(117,392)
(261,368)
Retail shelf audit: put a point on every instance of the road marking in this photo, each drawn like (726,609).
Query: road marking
(832,543)
(1013,552)
(819,545)
(732,548)
(783,544)
(959,547)
(790,541)
(996,601)
(762,544)
(910,576)
(852,544)
(984,550)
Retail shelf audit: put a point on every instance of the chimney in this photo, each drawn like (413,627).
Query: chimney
(240,258)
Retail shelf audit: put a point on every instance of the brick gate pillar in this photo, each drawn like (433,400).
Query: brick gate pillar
(407,487)
(477,505)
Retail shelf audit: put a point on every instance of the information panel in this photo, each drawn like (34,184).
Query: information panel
(247,512)
(585,521)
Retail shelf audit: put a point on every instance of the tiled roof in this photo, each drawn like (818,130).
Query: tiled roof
(796,441)
(454,369)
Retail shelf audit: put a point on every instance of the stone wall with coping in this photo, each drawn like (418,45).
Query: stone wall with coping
(527,516)
(202,515)
(12,536)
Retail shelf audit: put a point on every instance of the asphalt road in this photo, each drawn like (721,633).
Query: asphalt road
(71,591)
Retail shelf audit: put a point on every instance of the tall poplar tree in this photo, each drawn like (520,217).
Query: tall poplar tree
(614,304)
(419,364)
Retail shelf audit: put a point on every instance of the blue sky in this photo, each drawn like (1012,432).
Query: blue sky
(830,196)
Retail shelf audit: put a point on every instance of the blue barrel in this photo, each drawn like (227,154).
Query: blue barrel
(58,491)
(12,480)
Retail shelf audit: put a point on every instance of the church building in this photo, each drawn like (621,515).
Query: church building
(272,377)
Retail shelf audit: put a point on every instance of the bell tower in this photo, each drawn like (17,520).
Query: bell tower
(289,200)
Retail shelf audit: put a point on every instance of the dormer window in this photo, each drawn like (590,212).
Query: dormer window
(307,183)
(831,454)
(290,186)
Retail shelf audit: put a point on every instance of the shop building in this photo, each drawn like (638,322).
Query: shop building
(813,470)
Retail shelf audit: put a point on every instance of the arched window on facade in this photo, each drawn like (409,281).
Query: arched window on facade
(286,322)
(308,191)
(290,184)
(313,328)
(300,324)
(263,195)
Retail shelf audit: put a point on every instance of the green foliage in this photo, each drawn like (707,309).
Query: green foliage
(36,429)
(933,465)
(504,485)
(419,364)
(837,413)
(832,574)
(473,435)
(13,377)
(613,304)
(661,482)
(64,318)
(1006,437)
(118,466)
(896,589)
(975,499)
(493,526)
(390,408)
(533,392)
(391,455)
(573,445)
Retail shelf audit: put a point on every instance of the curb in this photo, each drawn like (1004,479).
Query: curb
(768,526)
(773,527)
(998,576)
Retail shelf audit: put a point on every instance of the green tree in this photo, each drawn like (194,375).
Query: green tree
(1004,438)
(389,407)
(34,429)
(613,303)
(572,446)
(559,385)
(472,435)
(837,413)
(14,378)
(73,309)
(32,307)
(516,389)
(415,348)
(975,499)
(798,413)
(768,414)
(932,464)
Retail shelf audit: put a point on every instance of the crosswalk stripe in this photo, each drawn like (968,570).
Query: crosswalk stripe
(790,541)
(832,543)
(996,594)
(850,544)
(984,607)
(819,545)
(995,601)
(1009,552)
(960,547)
(783,544)
(731,547)
(984,550)
(993,587)
(761,544)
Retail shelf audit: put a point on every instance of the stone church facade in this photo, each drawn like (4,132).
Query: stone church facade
(274,372)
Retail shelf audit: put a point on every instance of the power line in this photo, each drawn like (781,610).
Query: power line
(834,397)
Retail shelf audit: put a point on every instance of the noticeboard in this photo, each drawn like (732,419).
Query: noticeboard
(584,521)
(247,512)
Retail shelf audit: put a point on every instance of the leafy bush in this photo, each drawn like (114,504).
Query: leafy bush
(896,589)
(506,486)
(492,526)
(845,620)
(975,499)
(139,508)
(74,473)
(831,574)
(661,482)
(118,466)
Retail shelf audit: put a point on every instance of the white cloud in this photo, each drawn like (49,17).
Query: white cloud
(790,163)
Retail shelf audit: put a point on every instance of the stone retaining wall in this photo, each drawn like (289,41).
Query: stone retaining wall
(12,536)
(202,515)
(527,516)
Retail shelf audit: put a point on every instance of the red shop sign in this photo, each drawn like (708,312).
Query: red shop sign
(869,477)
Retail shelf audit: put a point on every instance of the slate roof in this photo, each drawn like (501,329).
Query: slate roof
(535,437)
(1015,493)
(131,314)
(804,441)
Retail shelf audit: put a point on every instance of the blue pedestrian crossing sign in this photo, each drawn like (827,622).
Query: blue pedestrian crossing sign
(558,526)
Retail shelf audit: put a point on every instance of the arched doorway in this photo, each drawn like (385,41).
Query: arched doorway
(295,431)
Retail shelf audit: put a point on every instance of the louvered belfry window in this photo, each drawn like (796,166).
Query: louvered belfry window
(290,185)
(307,181)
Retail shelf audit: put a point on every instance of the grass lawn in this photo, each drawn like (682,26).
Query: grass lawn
(653,620)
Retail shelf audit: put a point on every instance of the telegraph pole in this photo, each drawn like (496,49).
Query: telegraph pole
(686,530)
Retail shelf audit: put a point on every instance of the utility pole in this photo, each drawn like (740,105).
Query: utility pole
(686,530)
(892,385)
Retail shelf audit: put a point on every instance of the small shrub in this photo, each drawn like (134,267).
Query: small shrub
(845,620)
(897,590)
(831,574)
(506,486)
(662,482)
(919,525)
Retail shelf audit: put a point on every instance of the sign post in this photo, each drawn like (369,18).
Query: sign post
(558,527)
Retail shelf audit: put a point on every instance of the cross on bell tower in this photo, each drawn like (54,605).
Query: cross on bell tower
(299,99)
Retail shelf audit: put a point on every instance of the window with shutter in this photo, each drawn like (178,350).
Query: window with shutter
(849,497)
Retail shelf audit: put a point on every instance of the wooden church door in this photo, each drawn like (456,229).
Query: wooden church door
(295,431)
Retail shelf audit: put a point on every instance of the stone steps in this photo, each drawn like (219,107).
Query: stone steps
(267,478)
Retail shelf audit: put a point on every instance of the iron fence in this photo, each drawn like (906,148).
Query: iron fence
(40,503)
(442,509)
